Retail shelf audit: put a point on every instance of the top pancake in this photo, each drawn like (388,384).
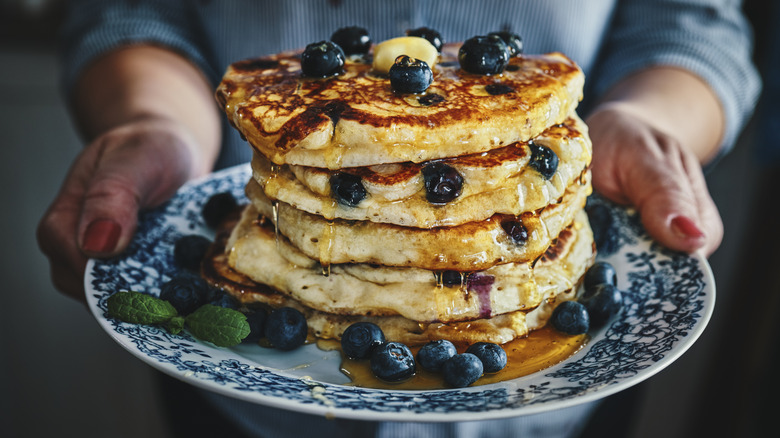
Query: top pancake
(356,119)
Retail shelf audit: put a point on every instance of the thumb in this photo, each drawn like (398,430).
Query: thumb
(139,172)
(668,204)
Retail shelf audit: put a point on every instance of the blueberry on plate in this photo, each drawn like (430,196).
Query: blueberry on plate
(484,55)
(360,339)
(188,251)
(223,299)
(600,273)
(462,370)
(256,320)
(602,302)
(570,317)
(492,355)
(286,328)
(322,59)
(392,362)
(218,206)
(353,40)
(543,159)
(433,354)
(347,189)
(410,75)
(433,36)
(515,230)
(186,292)
(602,222)
(512,40)
(442,183)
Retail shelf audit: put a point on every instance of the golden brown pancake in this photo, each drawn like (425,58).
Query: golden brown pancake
(498,181)
(356,119)
(466,247)
(556,277)
(375,290)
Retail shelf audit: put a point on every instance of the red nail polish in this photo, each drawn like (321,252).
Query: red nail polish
(686,228)
(101,236)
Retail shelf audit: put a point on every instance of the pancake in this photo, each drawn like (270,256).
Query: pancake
(468,247)
(498,181)
(355,119)
(255,251)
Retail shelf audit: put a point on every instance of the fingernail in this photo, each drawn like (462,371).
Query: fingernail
(685,228)
(101,236)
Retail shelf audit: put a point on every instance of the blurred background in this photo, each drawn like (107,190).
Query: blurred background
(61,374)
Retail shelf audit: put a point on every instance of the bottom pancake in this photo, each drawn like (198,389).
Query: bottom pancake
(417,294)
(497,329)
(564,263)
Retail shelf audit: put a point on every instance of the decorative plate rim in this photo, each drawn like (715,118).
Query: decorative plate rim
(669,298)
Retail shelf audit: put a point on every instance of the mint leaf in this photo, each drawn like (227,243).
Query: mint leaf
(175,325)
(221,326)
(138,308)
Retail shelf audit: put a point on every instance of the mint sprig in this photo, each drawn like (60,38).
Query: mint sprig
(221,326)
(139,308)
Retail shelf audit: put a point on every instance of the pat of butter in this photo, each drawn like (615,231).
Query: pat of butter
(387,51)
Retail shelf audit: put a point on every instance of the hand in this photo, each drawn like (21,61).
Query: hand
(126,169)
(637,164)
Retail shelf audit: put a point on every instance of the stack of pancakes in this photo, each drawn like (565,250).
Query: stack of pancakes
(489,264)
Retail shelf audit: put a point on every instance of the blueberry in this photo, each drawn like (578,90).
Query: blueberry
(322,59)
(360,339)
(186,292)
(223,299)
(452,278)
(217,208)
(512,40)
(392,362)
(353,40)
(600,273)
(515,230)
(433,36)
(256,320)
(347,188)
(462,370)
(497,89)
(188,251)
(570,317)
(286,328)
(442,183)
(492,355)
(485,55)
(602,301)
(543,159)
(603,223)
(410,75)
(433,354)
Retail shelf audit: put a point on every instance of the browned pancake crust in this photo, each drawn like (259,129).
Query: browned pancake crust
(356,119)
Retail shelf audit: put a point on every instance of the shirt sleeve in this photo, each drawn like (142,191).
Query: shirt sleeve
(710,38)
(94,27)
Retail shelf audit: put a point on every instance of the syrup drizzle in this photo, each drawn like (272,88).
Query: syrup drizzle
(541,349)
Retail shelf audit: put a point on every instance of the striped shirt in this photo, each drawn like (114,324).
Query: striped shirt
(609,39)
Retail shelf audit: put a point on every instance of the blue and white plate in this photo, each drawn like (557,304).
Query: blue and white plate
(668,300)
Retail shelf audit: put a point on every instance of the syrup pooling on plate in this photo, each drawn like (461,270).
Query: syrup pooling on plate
(542,349)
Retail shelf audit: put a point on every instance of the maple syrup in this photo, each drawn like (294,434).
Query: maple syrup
(541,349)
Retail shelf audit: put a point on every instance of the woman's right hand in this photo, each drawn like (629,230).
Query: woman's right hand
(127,169)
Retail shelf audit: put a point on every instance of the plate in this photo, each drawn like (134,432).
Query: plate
(668,300)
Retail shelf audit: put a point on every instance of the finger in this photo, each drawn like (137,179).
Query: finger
(709,216)
(139,173)
(667,204)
